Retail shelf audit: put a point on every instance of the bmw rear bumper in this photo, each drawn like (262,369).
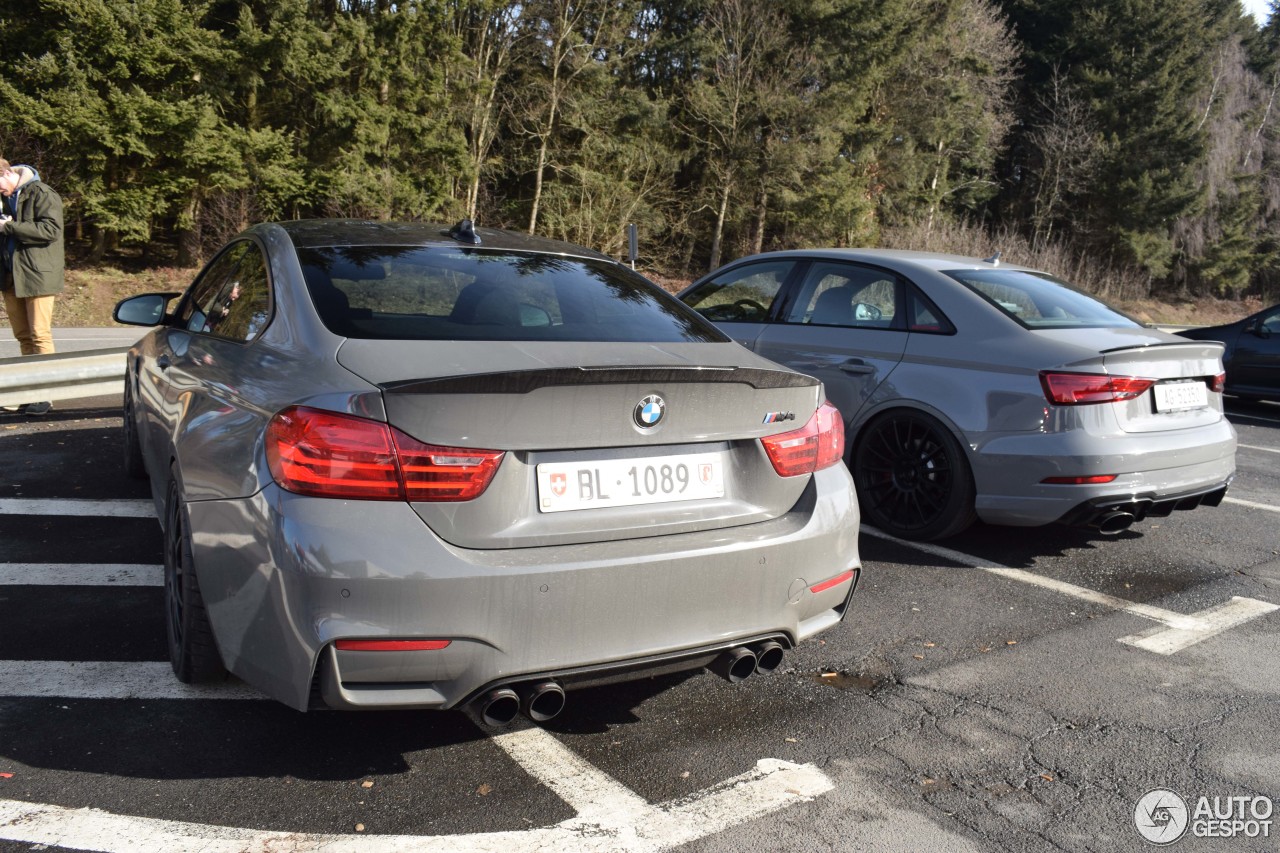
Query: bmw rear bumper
(283,577)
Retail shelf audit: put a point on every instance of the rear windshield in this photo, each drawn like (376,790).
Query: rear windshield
(1039,301)
(447,293)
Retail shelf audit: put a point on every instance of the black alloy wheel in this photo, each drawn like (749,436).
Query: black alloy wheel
(192,651)
(912,478)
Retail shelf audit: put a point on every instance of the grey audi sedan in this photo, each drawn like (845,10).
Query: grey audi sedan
(971,389)
(414,466)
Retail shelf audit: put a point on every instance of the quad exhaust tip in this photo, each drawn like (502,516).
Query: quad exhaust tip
(741,662)
(539,701)
(542,701)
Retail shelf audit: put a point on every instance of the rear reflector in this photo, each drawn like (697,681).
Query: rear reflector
(1080,481)
(1076,389)
(391,645)
(816,445)
(332,455)
(835,581)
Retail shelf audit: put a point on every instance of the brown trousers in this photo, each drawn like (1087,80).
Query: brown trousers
(32,322)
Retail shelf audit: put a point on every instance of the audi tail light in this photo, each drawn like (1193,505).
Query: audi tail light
(816,445)
(332,455)
(1078,389)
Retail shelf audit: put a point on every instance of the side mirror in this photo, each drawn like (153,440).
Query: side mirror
(145,310)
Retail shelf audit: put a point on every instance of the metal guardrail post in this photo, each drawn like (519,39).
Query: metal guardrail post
(62,376)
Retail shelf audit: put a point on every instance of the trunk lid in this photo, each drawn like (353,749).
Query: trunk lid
(1181,368)
(579,411)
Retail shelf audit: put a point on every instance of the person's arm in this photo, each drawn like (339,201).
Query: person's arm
(45,225)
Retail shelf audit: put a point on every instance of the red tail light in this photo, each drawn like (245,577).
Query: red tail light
(1218,384)
(331,455)
(816,445)
(1090,480)
(1075,389)
(391,645)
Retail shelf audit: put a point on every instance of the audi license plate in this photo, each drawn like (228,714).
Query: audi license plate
(627,482)
(1174,396)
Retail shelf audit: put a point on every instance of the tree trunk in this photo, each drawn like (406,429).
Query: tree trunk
(762,207)
(719,231)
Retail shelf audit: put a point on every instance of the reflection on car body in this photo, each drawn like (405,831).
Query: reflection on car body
(972,389)
(404,466)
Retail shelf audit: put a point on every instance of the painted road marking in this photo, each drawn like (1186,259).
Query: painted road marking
(71,507)
(1249,417)
(1215,620)
(610,816)
(1179,630)
(81,574)
(1255,447)
(1267,507)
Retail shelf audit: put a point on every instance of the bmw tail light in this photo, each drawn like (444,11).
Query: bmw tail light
(816,445)
(313,452)
(1077,389)
(434,473)
(332,455)
(1217,384)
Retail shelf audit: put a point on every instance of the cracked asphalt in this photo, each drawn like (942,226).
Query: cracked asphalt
(954,710)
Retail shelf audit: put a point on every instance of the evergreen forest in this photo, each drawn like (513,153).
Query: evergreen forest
(1130,145)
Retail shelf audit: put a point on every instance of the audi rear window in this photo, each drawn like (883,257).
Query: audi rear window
(448,293)
(1039,301)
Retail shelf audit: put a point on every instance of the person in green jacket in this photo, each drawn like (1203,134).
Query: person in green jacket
(32,265)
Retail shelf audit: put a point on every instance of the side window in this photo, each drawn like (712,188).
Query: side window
(193,313)
(243,306)
(838,294)
(1271,324)
(743,294)
(925,316)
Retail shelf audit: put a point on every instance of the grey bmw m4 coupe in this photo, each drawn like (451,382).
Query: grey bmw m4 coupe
(972,389)
(415,466)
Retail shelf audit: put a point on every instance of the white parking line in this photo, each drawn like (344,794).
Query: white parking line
(1255,447)
(1252,504)
(610,817)
(1249,417)
(80,574)
(1180,630)
(51,506)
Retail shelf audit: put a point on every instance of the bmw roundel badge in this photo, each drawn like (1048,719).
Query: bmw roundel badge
(649,411)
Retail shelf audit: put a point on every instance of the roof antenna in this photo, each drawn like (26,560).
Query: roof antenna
(465,232)
(994,260)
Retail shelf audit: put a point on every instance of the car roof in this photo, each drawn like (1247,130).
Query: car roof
(896,258)
(317,233)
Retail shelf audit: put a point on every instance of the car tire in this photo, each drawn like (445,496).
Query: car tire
(134,466)
(912,477)
(192,650)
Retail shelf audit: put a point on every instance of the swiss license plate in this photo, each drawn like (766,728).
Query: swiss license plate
(1173,396)
(628,482)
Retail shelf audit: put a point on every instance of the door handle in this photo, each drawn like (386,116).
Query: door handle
(857,365)
(163,362)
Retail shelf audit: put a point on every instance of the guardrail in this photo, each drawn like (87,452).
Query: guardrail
(63,376)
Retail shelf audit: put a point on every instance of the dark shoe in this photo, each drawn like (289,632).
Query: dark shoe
(37,408)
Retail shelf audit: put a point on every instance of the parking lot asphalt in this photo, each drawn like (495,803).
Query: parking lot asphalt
(1007,689)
